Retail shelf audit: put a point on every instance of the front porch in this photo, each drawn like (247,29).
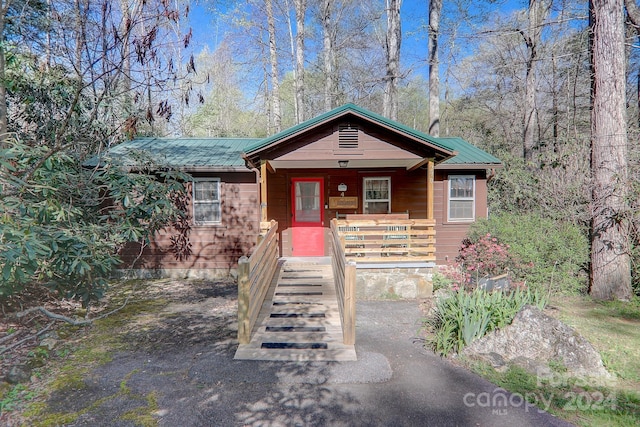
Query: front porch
(386,239)
(344,163)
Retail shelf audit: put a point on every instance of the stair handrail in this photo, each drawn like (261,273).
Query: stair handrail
(344,273)
(255,274)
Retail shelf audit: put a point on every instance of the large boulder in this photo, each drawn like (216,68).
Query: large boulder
(533,340)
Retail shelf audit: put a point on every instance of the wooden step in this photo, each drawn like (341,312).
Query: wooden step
(300,320)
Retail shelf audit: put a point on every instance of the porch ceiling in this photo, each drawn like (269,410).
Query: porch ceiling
(352,163)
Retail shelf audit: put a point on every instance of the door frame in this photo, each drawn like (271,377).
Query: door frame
(294,222)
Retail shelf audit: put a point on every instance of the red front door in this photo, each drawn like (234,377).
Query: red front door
(307,203)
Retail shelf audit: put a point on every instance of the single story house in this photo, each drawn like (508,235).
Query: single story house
(346,161)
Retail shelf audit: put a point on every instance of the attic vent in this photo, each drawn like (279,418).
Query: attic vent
(348,136)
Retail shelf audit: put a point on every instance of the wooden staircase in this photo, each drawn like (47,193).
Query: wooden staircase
(300,319)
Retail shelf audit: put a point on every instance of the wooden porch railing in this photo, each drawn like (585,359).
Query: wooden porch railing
(254,277)
(344,273)
(387,240)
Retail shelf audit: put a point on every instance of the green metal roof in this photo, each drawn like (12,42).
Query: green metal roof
(468,154)
(226,153)
(186,152)
(336,112)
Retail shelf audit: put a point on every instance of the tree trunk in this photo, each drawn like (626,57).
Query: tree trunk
(610,261)
(301,7)
(273,59)
(3,89)
(328,55)
(292,43)
(633,11)
(554,100)
(537,11)
(394,38)
(435,7)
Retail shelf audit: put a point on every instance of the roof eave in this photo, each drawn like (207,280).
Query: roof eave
(340,112)
(447,153)
(469,166)
(218,169)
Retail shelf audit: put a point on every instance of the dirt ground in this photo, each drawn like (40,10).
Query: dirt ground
(159,316)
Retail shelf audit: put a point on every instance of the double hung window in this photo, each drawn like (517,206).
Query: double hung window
(206,201)
(377,195)
(462,190)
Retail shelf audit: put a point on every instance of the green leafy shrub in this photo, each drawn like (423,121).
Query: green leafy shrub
(62,225)
(553,255)
(463,317)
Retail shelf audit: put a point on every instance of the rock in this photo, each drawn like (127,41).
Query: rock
(50,334)
(49,343)
(18,374)
(530,365)
(492,358)
(534,339)
(442,293)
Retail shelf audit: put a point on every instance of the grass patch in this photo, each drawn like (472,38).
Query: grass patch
(613,327)
(614,330)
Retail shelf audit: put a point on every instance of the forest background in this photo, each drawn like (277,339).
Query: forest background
(514,78)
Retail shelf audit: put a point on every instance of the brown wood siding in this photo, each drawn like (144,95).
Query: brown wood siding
(220,246)
(213,246)
(372,145)
(449,235)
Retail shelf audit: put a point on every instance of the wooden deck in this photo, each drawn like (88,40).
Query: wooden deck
(299,320)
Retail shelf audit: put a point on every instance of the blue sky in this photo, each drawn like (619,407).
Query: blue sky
(208,30)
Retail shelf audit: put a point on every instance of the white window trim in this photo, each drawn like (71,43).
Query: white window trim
(364,191)
(194,202)
(450,199)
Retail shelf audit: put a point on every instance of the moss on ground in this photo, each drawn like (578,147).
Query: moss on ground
(93,346)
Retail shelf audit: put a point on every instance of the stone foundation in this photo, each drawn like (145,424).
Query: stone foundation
(394,282)
(372,281)
(178,273)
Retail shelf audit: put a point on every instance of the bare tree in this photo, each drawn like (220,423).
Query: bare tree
(21,23)
(537,12)
(301,9)
(435,7)
(393,42)
(633,12)
(273,59)
(328,53)
(4,8)
(610,260)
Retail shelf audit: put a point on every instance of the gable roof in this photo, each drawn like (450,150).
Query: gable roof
(226,154)
(468,156)
(346,109)
(189,154)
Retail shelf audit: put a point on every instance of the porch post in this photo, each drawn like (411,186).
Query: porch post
(263,191)
(430,178)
